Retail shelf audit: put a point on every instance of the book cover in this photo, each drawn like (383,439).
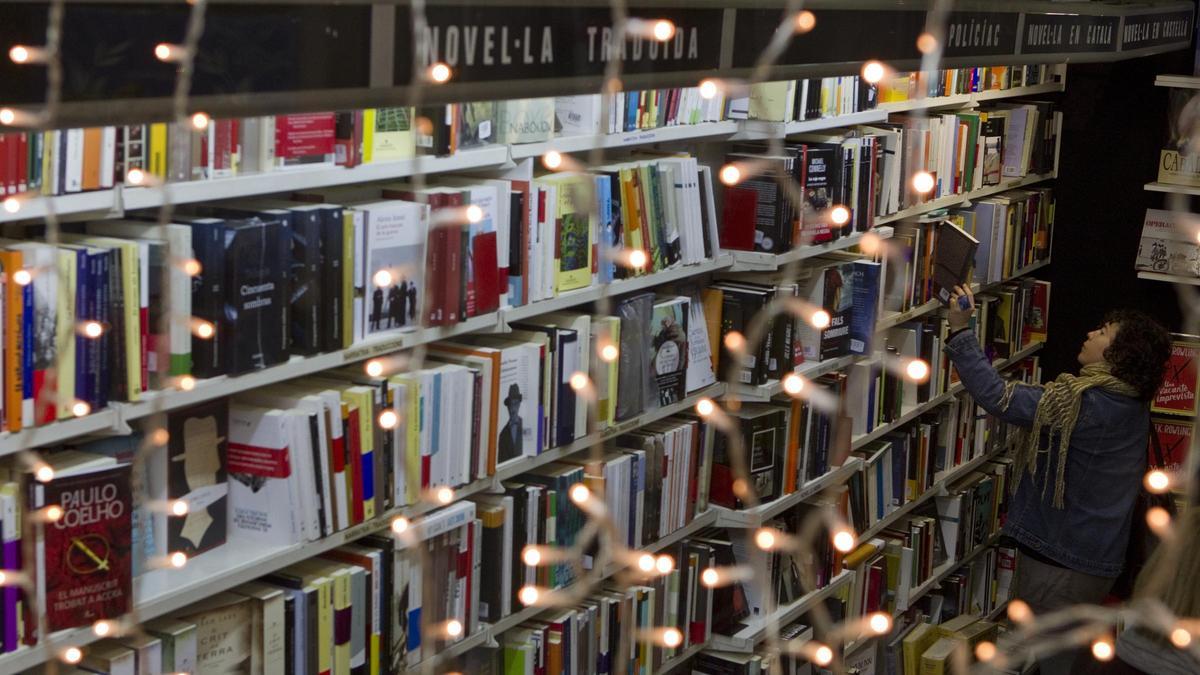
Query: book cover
(520,381)
(197,473)
(573,243)
(394,273)
(953,256)
(525,120)
(669,344)
(1175,439)
(88,552)
(701,369)
(388,134)
(224,633)
(304,140)
(255,322)
(263,499)
(1177,395)
(475,122)
(1168,244)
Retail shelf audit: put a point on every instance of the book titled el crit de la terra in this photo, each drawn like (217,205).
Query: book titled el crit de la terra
(87,554)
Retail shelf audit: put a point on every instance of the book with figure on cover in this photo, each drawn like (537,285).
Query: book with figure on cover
(669,345)
(197,474)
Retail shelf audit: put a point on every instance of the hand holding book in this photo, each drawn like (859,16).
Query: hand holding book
(962,306)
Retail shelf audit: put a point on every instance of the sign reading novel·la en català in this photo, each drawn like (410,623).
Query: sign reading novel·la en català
(486,43)
(1066,33)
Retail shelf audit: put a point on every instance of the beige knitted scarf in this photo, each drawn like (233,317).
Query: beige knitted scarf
(1057,412)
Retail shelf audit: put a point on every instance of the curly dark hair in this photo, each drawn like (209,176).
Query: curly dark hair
(1139,352)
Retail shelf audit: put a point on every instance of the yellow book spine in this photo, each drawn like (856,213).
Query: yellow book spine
(13,347)
(365,402)
(133,339)
(65,333)
(49,148)
(368,136)
(158,150)
(348,278)
(324,626)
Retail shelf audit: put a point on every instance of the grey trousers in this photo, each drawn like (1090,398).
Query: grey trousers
(1046,588)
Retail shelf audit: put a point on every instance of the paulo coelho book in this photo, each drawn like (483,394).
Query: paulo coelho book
(84,560)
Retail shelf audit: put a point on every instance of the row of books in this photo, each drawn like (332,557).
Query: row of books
(633,111)
(1014,230)
(786,660)
(817,98)
(869,171)
(616,623)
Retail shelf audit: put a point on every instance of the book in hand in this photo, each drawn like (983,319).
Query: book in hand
(954,253)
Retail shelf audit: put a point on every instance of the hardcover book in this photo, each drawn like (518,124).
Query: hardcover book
(197,474)
(394,274)
(88,557)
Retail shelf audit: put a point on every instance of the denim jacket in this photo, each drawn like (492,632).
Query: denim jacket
(1105,463)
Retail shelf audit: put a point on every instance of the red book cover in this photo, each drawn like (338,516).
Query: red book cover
(1177,396)
(486,275)
(1174,438)
(347,138)
(304,139)
(435,262)
(465,569)
(5,170)
(22,162)
(454,274)
(737,219)
(88,552)
(354,453)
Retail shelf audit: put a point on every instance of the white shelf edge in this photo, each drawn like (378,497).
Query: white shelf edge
(1177,81)
(955,200)
(750,518)
(1169,278)
(810,370)
(755,261)
(586,143)
(893,319)
(1158,186)
(749,636)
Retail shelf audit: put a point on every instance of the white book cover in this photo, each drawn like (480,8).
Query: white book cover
(394,235)
(108,156)
(578,115)
(518,418)
(263,506)
(525,120)
(1168,244)
(288,396)
(302,429)
(74,169)
(700,371)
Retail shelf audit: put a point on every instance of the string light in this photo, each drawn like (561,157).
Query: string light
(637,258)
(93,329)
(840,215)
(765,539)
(374,368)
(873,72)
(12,204)
(820,319)
(102,628)
(19,54)
(444,495)
(80,408)
(439,73)
(734,341)
(926,43)
(135,177)
(7,116)
(665,564)
(985,651)
(72,655)
(1181,638)
(200,121)
(922,182)
(474,214)
(822,656)
(730,174)
(609,352)
(532,556)
(880,623)
(160,437)
(663,30)
(672,638)
(552,160)
(178,559)
(44,474)
(579,381)
(167,52)
(705,407)
(382,278)
(52,513)
(1019,611)
(793,384)
(203,329)
(805,21)
(843,540)
(710,577)
(646,563)
(580,493)
(1158,519)
(22,277)
(708,89)
(529,595)
(187,382)
(388,419)
(1157,481)
(454,628)
(191,267)
(179,508)
(917,370)
(399,525)
(870,243)
(1102,649)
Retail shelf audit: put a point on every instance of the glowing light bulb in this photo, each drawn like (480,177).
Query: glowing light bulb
(72,655)
(102,628)
(870,243)
(646,562)
(374,368)
(710,577)
(1102,649)
(191,267)
(529,595)
(81,408)
(160,437)
(705,407)
(53,513)
(163,51)
(730,174)
(400,525)
(135,177)
(663,30)
(19,54)
(22,277)
(822,656)
(179,508)
(382,278)
(7,116)
(734,341)
(531,556)
(609,352)
(454,628)
(880,623)
(445,495)
(843,540)
(388,419)
(805,21)
(204,330)
(474,214)
(873,72)
(637,258)
(187,382)
(580,493)
(985,651)
(579,381)
(1019,611)
(922,182)
(93,329)
(926,43)
(917,370)
(439,73)
(1181,638)
(12,204)
(672,638)
(765,539)
(552,160)
(708,89)
(665,564)
(840,215)
(820,319)
(1157,481)
(178,559)
(44,474)
(793,384)
(3,578)
(200,121)
(1158,518)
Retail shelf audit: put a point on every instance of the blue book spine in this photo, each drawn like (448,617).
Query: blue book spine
(606,265)
(83,310)
(27,350)
(103,314)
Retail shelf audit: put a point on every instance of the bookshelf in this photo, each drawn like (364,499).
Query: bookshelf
(755,629)
(755,517)
(940,573)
